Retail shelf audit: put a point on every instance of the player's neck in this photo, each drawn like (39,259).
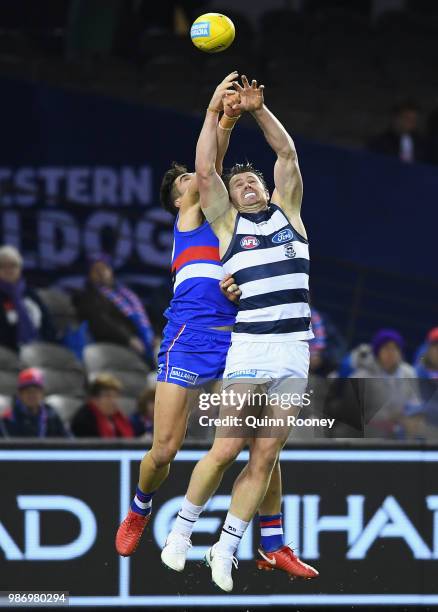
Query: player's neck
(253,208)
(190,217)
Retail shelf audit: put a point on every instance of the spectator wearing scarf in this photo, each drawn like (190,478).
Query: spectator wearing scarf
(113,312)
(101,417)
(23,317)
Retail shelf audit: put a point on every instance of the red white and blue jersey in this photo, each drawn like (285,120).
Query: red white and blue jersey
(196,271)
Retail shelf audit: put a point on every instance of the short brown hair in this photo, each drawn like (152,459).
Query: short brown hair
(241,169)
(104,382)
(167,189)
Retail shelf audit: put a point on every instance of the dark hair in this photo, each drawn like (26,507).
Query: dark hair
(167,189)
(240,169)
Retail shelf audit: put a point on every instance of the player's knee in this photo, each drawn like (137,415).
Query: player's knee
(164,453)
(263,460)
(224,455)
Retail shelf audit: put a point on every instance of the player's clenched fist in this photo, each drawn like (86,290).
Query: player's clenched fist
(229,288)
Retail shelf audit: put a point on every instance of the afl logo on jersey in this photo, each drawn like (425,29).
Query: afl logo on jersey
(284,235)
(249,242)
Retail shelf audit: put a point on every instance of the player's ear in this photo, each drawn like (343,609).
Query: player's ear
(177,203)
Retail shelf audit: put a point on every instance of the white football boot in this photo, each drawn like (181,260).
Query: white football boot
(221,566)
(174,553)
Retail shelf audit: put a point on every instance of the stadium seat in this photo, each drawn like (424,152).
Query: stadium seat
(104,356)
(65,405)
(8,383)
(64,382)
(48,355)
(60,306)
(9,361)
(5,403)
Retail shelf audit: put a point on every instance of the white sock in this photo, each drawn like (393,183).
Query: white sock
(232,533)
(186,518)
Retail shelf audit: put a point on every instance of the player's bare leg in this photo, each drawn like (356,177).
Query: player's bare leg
(274,552)
(170,424)
(208,472)
(248,492)
(171,414)
(206,478)
(271,503)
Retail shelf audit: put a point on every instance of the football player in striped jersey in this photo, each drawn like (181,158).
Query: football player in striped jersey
(263,245)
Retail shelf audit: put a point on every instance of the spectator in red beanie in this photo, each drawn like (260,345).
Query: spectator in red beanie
(101,417)
(427,366)
(427,370)
(30,416)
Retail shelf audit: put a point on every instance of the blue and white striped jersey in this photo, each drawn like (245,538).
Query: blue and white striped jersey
(269,261)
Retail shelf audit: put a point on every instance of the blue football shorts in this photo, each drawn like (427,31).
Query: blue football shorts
(191,357)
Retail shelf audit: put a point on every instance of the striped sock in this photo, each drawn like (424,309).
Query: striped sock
(232,533)
(271,527)
(142,502)
(186,518)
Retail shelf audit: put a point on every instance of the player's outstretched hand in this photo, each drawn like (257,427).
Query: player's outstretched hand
(251,96)
(229,288)
(230,99)
(227,83)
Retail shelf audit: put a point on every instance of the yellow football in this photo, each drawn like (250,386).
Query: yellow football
(212,32)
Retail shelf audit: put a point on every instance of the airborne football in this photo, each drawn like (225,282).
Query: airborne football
(212,32)
(218,347)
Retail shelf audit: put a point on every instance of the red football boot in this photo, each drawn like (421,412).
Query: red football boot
(285,559)
(129,533)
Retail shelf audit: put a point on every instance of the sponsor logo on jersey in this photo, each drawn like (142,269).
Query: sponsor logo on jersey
(242,374)
(284,235)
(289,250)
(200,29)
(249,242)
(186,375)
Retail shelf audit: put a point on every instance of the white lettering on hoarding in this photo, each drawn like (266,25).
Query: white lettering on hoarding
(34,550)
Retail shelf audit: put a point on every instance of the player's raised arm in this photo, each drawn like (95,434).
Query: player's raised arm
(213,194)
(287,175)
(225,127)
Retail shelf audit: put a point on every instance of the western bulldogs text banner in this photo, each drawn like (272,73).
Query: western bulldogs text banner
(366,519)
(59,216)
(76,150)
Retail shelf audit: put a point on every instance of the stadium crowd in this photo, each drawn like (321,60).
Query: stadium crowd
(96,376)
(346,63)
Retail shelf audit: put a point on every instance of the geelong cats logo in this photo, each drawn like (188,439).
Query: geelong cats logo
(289,250)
